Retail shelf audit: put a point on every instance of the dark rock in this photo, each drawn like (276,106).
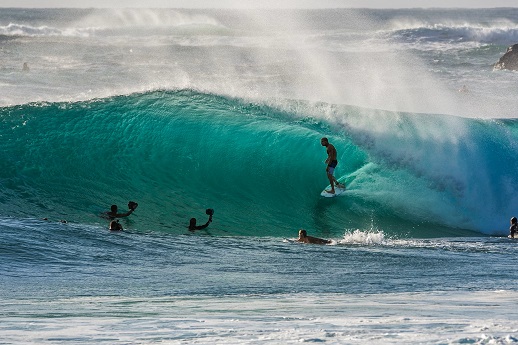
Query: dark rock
(509,60)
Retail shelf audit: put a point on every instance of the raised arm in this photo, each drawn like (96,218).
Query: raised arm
(199,227)
(119,215)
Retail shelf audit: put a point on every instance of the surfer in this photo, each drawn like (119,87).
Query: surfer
(303,237)
(192,222)
(114,209)
(514,227)
(331,165)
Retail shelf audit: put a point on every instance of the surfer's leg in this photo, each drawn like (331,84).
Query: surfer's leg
(332,180)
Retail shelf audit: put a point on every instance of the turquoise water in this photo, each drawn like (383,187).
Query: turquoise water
(260,167)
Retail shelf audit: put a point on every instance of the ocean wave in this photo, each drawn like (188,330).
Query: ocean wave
(504,33)
(121,21)
(179,152)
(14,29)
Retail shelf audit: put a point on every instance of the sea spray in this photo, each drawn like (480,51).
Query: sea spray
(363,237)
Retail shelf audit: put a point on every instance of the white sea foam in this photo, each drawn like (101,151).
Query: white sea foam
(499,29)
(13,29)
(368,237)
(484,317)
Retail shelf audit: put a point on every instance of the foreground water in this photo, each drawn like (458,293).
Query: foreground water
(399,318)
(82,284)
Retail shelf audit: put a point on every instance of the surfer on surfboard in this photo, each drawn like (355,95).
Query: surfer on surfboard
(331,165)
(304,238)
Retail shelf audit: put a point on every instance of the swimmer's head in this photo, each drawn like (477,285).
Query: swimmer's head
(114,208)
(115,225)
(514,220)
(303,233)
(192,222)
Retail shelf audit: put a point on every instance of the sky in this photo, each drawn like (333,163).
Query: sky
(259,4)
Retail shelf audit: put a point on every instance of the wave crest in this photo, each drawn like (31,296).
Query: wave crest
(14,29)
(501,33)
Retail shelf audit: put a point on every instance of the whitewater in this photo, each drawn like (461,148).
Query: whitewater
(184,110)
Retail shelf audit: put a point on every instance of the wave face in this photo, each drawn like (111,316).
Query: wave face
(259,166)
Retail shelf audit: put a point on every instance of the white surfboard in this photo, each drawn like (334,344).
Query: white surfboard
(338,191)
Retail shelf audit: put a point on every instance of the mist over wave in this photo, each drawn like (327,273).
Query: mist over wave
(408,60)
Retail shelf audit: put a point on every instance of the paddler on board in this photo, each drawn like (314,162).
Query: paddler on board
(304,238)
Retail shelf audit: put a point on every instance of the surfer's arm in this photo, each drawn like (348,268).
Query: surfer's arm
(119,215)
(204,225)
(316,240)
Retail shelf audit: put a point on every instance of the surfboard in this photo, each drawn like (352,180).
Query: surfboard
(338,191)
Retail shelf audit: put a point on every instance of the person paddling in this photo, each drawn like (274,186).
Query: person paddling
(304,238)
